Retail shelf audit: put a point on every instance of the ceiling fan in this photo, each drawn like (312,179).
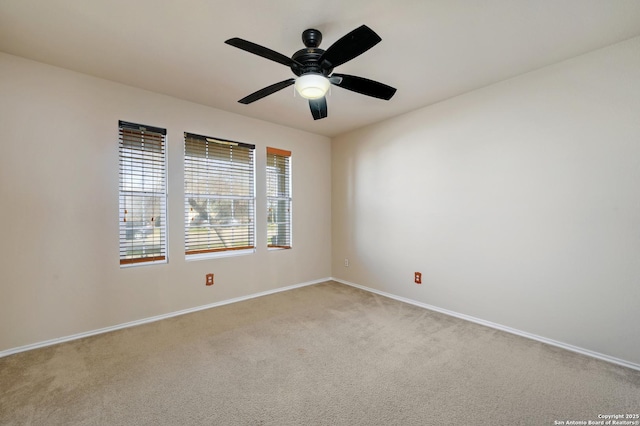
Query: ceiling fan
(314,66)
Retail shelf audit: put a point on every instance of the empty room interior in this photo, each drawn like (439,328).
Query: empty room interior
(448,233)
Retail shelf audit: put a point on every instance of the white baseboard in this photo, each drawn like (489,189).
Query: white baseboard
(501,327)
(153,319)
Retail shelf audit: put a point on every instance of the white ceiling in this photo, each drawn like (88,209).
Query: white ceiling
(430,50)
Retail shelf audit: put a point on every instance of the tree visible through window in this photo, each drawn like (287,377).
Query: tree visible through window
(219,195)
(143,194)
(278,198)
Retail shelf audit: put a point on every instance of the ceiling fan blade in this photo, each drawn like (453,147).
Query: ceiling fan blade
(348,47)
(318,108)
(364,86)
(267,91)
(256,49)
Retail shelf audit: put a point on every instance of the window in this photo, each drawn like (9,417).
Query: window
(278,198)
(219,196)
(143,194)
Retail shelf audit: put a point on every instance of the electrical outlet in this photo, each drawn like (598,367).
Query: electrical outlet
(418,277)
(346,263)
(209,280)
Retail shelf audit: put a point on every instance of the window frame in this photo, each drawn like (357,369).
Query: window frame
(279,190)
(142,165)
(198,166)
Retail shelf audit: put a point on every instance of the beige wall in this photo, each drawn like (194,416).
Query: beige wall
(519,203)
(59,265)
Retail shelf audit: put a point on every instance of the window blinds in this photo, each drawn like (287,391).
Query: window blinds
(278,198)
(143,193)
(219,195)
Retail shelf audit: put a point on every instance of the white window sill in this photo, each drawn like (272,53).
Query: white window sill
(219,254)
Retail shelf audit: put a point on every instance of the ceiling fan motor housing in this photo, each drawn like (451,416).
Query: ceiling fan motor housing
(309,57)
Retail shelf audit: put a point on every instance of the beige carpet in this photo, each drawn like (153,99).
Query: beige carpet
(327,354)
